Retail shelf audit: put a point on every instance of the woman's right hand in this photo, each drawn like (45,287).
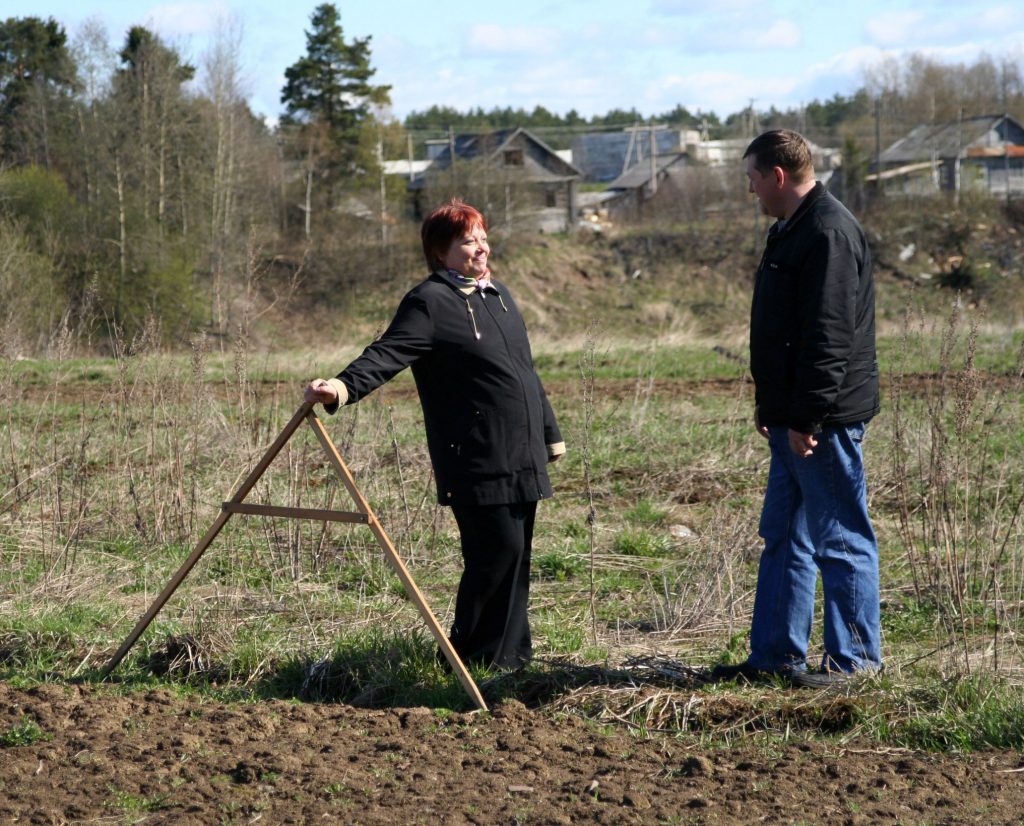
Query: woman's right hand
(320,391)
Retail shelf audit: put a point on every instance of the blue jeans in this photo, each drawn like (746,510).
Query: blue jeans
(815,519)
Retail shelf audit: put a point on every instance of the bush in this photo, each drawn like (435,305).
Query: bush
(36,199)
(32,304)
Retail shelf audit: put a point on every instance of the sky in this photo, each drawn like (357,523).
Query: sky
(592,56)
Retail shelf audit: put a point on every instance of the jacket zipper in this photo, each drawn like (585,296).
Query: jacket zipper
(522,388)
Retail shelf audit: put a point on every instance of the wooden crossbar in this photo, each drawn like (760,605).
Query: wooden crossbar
(316,514)
(363,515)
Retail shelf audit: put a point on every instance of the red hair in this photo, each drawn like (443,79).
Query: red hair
(452,219)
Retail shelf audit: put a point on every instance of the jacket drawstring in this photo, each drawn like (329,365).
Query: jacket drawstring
(472,315)
(472,319)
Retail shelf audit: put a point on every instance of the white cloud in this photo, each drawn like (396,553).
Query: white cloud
(714,30)
(721,92)
(700,7)
(848,62)
(893,28)
(1000,18)
(782,34)
(951,28)
(183,19)
(721,36)
(487,39)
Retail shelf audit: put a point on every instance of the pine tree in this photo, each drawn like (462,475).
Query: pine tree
(37,79)
(328,99)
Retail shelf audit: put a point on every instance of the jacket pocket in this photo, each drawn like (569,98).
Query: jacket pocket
(484,449)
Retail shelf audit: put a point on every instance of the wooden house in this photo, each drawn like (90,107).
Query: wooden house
(979,154)
(511,175)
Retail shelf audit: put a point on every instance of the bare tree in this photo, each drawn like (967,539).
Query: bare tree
(222,85)
(921,89)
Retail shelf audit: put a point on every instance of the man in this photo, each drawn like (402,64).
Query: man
(812,357)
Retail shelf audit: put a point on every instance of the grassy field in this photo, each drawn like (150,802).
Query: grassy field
(111,469)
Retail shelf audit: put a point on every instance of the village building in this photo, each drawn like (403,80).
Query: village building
(512,175)
(978,154)
(654,167)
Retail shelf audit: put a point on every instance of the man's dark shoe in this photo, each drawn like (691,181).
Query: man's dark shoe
(829,680)
(742,672)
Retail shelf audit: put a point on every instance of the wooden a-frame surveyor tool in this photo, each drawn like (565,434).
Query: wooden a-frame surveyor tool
(363,515)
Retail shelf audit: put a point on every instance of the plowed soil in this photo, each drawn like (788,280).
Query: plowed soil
(158,757)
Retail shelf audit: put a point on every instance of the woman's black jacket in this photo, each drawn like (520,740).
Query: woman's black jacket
(812,323)
(487,418)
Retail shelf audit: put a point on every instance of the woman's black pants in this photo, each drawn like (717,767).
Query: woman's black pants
(491,625)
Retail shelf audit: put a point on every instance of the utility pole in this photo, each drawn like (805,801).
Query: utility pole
(654,161)
(383,195)
(754,125)
(878,145)
(451,156)
(956,162)
(751,134)
(1006,155)
(629,147)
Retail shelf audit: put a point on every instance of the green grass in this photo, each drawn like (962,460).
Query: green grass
(959,714)
(133,803)
(645,512)
(375,668)
(559,566)
(690,362)
(37,644)
(642,542)
(25,732)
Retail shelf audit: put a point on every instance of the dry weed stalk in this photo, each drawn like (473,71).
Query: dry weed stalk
(588,368)
(959,513)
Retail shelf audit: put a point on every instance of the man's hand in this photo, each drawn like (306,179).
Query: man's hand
(320,391)
(802,444)
(757,424)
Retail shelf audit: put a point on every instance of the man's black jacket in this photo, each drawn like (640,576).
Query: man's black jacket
(487,418)
(812,321)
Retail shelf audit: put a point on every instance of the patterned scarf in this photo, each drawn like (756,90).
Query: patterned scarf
(461,280)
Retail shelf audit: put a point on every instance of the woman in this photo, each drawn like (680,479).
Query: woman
(490,429)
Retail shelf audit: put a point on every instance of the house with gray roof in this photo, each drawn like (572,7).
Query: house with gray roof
(981,154)
(603,157)
(511,174)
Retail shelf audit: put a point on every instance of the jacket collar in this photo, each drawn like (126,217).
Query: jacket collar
(810,198)
(438,275)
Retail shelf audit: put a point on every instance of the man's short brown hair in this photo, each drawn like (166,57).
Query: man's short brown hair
(783,148)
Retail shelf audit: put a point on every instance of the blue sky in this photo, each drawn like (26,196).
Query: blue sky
(710,55)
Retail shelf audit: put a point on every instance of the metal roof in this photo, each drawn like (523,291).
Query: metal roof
(639,174)
(949,140)
(469,146)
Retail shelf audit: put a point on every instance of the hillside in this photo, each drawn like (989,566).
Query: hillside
(692,282)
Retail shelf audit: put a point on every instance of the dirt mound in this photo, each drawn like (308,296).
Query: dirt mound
(71,754)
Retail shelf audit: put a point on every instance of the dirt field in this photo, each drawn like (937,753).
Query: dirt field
(158,758)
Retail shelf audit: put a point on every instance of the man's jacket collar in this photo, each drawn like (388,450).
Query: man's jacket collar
(810,198)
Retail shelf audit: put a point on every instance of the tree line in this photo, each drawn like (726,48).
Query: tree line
(136,185)
(899,93)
